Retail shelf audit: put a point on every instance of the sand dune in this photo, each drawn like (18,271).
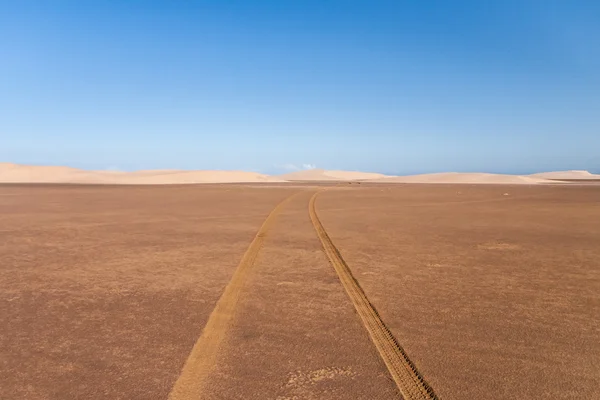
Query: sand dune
(42,174)
(456,177)
(14,173)
(330,175)
(566,175)
(170,177)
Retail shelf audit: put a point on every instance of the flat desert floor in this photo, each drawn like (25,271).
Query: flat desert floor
(493,291)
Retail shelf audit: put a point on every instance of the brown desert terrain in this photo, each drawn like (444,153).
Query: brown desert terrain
(226,292)
(104,290)
(493,291)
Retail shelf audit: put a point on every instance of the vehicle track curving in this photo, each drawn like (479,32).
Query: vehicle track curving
(203,357)
(409,381)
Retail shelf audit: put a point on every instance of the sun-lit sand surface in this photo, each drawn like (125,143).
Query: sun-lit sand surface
(15,173)
(326,175)
(456,177)
(566,175)
(491,289)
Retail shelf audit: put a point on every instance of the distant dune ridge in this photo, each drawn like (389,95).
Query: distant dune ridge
(16,173)
(37,174)
(325,175)
(566,175)
(457,177)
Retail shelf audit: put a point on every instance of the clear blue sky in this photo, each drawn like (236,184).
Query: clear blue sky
(390,86)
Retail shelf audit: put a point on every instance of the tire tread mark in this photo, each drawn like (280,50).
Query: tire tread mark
(409,381)
(203,357)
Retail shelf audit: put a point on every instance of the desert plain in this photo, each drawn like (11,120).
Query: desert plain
(493,291)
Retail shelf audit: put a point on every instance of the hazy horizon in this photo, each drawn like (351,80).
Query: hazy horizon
(282,170)
(391,87)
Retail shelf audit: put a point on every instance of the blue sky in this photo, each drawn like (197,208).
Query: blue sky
(390,86)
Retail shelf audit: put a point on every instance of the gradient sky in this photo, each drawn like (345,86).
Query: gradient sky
(389,86)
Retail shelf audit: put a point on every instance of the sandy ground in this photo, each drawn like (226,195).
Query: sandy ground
(494,291)
(104,290)
(296,335)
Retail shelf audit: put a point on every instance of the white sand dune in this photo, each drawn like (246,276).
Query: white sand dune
(41,174)
(170,177)
(456,177)
(330,175)
(566,175)
(14,173)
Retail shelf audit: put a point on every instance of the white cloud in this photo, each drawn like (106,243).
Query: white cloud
(288,167)
(294,167)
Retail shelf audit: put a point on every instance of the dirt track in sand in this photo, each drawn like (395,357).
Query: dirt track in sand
(295,334)
(487,289)
(410,382)
(122,347)
(105,290)
(202,359)
(494,292)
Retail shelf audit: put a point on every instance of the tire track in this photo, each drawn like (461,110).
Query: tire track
(410,383)
(203,357)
